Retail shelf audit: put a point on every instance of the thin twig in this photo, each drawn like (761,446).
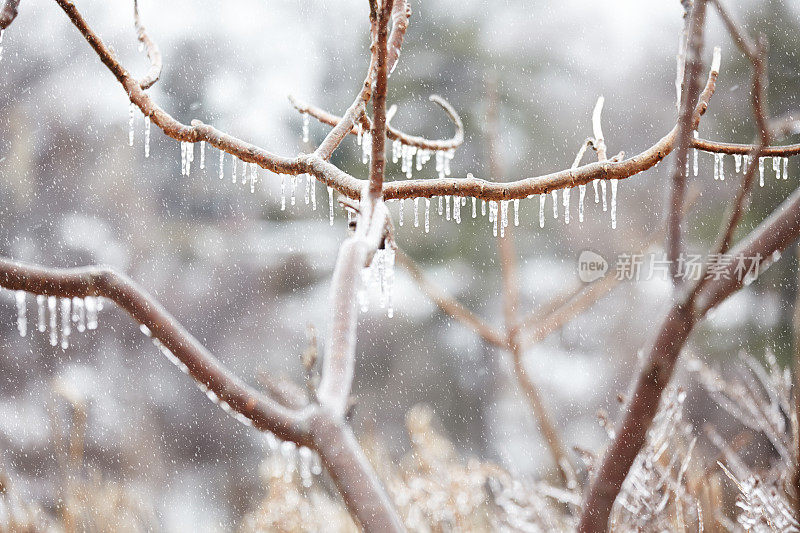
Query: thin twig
(153,53)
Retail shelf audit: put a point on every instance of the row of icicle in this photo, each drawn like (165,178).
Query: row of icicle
(80,312)
(410,157)
(780,165)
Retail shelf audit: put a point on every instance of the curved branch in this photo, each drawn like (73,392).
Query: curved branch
(744,149)
(8,13)
(401,13)
(201,365)
(392,133)
(153,53)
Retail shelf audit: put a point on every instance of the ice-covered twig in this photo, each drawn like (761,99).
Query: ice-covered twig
(153,53)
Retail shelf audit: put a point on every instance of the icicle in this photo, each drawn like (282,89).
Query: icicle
(330,205)
(234,162)
(565,199)
(416,212)
(737,161)
(493,218)
(245,166)
(366,148)
(447,207)
(581,197)
(389,281)
(283,194)
(786,168)
(293,186)
(202,155)
(596,191)
(721,167)
(776,167)
(603,191)
(542,198)
(91,312)
(457,209)
(42,317)
(147,137)
(746,163)
(694,157)
(66,323)
(131,119)
(51,307)
(254,177)
(183,158)
(306,122)
(516,212)
(427,214)
(483,208)
(79,314)
(22,313)
(400,214)
(221,164)
(761,171)
(308,189)
(503,217)
(189,157)
(410,164)
(555,204)
(716,167)
(474,207)
(614,184)
(448,156)
(397,148)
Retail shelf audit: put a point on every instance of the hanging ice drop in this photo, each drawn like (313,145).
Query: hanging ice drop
(516,212)
(51,307)
(737,161)
(66,323)
(555,204)
(565,199)
(41,309)
(416,212)
(427,214)
(542,198)
(581,196)
(761,171)
(202,155)
(400,213)
(22,312)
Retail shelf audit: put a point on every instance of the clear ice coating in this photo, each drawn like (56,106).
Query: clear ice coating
(306,122)
(542,198)
(66,322)
(614,184)
(147,123)
(79,314)
(22,312)
(427,214)
(41,313)
(581,201)
(53,310)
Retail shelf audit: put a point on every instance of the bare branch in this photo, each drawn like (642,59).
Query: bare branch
(449,305)
(263,412)
(392,133)
(378,163)
(686,126)
(153,53)
(401,13)
(8,13)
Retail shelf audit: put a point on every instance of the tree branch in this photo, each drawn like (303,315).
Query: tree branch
(153,53)
(8,13)
(378,163)
(686,126)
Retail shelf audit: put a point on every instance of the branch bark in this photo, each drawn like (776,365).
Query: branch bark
(8,13)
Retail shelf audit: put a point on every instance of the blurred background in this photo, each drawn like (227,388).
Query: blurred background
(247,279)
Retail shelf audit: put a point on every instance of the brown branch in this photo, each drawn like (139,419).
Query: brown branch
(378,163)
(153,53)
(8,13)
(691,93)
(745,149)
(391,132)
(449,305)
(262,411)
(401,13)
